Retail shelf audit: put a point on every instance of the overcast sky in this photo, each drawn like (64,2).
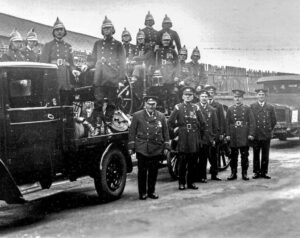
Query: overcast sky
(258,34)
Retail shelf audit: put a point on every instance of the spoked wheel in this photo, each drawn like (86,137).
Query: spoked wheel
(125,96)
(111,181)
(172,163)
(223,156)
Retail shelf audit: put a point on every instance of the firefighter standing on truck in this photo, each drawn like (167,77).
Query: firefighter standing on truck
(60,53)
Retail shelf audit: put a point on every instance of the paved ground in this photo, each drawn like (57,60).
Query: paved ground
(256,208)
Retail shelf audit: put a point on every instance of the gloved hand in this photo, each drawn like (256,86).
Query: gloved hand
(228,138)
(250,137)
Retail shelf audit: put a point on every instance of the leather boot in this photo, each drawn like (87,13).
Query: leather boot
(232,176)
(244,175)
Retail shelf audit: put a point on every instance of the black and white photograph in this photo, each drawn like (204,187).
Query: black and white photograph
(159,118)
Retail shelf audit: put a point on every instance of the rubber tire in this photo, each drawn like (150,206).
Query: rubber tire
(105,192)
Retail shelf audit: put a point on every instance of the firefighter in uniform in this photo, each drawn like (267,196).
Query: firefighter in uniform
(30,51)
(166,27)
(149,139)
(240,128)
(208,139)
(186,120)
(265,118)
(129,50)
(14,50)
(182,72)
(166,62)
(108,56)
(197,71)
(142,59)
(60,53)
(150,32)
(143,54)
(221,121)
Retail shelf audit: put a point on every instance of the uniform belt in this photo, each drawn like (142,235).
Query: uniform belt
(240,123)
(189,126)
(60,62)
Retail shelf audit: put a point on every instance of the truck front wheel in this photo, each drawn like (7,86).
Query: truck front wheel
(110,182)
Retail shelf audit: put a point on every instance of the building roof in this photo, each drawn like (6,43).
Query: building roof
(279,78)
(79,42)
(25,64)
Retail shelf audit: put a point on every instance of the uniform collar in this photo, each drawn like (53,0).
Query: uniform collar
(105,38)
(203,105)
(59,40)
(150,114)
(261,103)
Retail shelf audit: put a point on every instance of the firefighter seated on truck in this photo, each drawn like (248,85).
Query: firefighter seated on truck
(166,64)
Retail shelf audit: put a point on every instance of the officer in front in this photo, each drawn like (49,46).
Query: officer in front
(265,118)
(208,139)
(149,139)
(240,128)
(187,120)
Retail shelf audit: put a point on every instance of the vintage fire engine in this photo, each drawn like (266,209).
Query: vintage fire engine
(41,140)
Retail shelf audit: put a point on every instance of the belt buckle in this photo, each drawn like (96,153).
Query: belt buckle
(238,123)
(189,126)
(59,62)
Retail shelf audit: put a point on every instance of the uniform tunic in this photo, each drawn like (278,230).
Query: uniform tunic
(150,35)
(265,119)
(59,52)
(143,52)
(129,50)
(109,58)
(211,124)
(240,123)
(174,37)
(182,72)
(167,60)
(13,55)
(188,118)
(197,74)
(148,135)
(30,55)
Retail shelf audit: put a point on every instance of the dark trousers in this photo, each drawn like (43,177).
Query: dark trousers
(261,166)
(202,161)
(147,172)
(213,159)
(244,151)
(186,168)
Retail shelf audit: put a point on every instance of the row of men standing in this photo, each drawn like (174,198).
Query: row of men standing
(200,129)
